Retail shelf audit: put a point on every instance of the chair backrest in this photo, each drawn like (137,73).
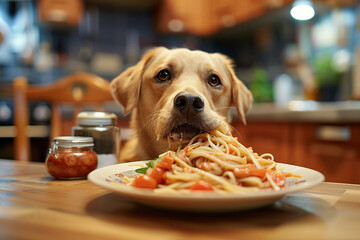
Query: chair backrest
(76,89)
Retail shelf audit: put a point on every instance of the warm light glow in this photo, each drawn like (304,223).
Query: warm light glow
(302,10)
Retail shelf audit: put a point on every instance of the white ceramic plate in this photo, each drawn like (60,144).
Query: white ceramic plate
(110,178)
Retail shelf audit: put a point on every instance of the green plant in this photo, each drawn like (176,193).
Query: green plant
(325,72)
(260,86)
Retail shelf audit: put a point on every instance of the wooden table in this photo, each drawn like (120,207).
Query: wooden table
(35,206)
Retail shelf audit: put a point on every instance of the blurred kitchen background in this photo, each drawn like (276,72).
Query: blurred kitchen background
(302,66)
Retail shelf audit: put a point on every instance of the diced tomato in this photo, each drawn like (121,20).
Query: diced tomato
(202,185)
(157,174)
(250,171)
(144,181)
(166,161)
(278,177)
(255,172)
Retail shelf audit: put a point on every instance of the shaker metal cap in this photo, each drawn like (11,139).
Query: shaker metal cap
(71,141)
(96,119)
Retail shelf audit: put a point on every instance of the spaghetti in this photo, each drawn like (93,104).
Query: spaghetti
(213,161)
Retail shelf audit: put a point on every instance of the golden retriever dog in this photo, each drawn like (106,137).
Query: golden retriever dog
(174,95)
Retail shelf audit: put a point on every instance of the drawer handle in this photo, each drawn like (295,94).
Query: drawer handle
(333,133)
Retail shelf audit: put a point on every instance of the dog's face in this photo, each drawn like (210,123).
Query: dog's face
(179,93)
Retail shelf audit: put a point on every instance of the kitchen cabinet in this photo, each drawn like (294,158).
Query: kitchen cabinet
(332,149)
(186,16)
(265,138)
(205,17)
(63,12)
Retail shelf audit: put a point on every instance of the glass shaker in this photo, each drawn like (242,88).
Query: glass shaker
(71,157)
(101,126)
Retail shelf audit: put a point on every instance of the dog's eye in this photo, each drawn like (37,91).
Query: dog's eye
(214,81)
(163,75)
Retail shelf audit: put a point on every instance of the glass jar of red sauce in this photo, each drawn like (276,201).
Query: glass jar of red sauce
(71,157)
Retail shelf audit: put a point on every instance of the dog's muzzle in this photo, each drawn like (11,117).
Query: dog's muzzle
(189,123)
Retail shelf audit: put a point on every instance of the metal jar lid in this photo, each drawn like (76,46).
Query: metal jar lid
(96,119)
(70,141)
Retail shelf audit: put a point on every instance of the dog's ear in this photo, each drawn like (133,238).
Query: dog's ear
(240,94)
(241,97)
(125,88)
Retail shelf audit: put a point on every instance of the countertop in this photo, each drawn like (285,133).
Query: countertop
(306,111)
(294,111)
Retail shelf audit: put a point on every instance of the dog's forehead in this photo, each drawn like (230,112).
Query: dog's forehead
(187,57)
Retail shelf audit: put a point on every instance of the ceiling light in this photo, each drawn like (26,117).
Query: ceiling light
(302,10)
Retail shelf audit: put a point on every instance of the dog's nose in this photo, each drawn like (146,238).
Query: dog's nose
(188,102)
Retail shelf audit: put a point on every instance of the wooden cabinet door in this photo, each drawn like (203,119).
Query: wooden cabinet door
(266,138)
(335,157)
(186,16)
(206,17)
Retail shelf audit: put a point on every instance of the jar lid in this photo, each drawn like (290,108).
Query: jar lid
(96,119)
(71,141)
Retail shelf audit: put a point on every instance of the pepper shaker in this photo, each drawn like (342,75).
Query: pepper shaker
(101,126)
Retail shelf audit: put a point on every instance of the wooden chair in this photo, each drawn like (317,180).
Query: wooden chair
(78,90)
